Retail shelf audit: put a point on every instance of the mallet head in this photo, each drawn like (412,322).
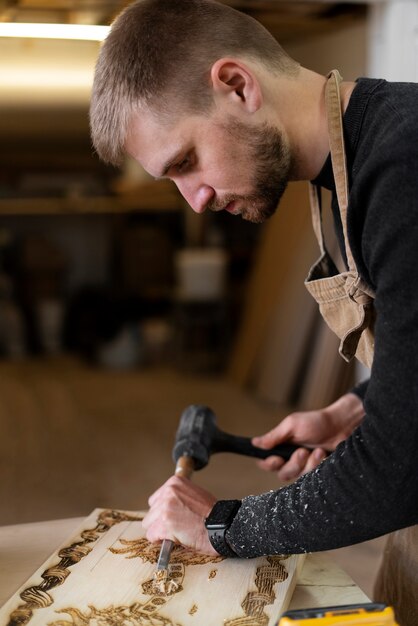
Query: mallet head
(195,435)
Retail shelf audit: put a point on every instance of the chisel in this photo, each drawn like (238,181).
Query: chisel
(184,467)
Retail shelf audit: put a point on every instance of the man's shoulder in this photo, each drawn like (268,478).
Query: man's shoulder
(387,99)
(386,119)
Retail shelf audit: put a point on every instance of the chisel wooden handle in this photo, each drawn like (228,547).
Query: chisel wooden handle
(184,467)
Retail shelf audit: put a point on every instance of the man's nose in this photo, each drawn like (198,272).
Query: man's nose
(198,197)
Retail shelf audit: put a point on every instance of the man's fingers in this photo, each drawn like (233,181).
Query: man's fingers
(154,497)
(174,483)
(278,434)
(261,441)
(163,517)
(160,531)
(301,461)
(167,502)
(270,439)
(314,459)
(295,465)
(149,518)
(271,464)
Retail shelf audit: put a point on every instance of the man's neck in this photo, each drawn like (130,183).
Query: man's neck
(301,110)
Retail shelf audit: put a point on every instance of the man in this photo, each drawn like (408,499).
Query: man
(202,94)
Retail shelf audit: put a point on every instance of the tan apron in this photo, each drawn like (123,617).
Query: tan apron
(346,304)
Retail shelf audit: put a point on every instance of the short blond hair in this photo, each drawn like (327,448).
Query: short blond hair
(159,54)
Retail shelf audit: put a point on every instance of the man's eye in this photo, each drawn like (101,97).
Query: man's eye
(182,165)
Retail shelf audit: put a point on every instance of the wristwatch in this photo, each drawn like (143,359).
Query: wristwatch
(217,523)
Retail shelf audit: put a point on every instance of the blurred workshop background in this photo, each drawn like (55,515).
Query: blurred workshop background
(119,306)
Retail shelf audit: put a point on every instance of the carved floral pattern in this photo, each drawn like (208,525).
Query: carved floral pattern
(37,596)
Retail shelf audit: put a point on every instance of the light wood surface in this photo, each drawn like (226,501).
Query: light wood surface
(105,572)
(25,547)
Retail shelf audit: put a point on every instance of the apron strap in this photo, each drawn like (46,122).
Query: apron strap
(315,202)
(338,156)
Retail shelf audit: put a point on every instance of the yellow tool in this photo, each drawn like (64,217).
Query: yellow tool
(370,614)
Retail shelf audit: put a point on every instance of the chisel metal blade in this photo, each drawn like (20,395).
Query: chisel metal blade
(165,552)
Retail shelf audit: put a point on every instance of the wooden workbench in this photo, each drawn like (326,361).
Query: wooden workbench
(24,547)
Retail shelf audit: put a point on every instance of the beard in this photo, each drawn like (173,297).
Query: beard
(269,152)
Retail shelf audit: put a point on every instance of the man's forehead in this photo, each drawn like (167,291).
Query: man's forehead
(148,140)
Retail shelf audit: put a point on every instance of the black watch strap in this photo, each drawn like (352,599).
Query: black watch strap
(218,522)
(218,541)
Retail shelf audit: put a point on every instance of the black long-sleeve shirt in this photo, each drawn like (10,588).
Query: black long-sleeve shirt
(369,485)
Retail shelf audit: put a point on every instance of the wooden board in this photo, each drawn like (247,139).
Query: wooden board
(104,573)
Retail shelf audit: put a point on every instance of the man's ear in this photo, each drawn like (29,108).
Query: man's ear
(236,82)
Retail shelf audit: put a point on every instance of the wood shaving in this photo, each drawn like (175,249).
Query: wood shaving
(163,585)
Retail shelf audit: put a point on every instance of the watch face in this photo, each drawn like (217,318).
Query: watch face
(223,513)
